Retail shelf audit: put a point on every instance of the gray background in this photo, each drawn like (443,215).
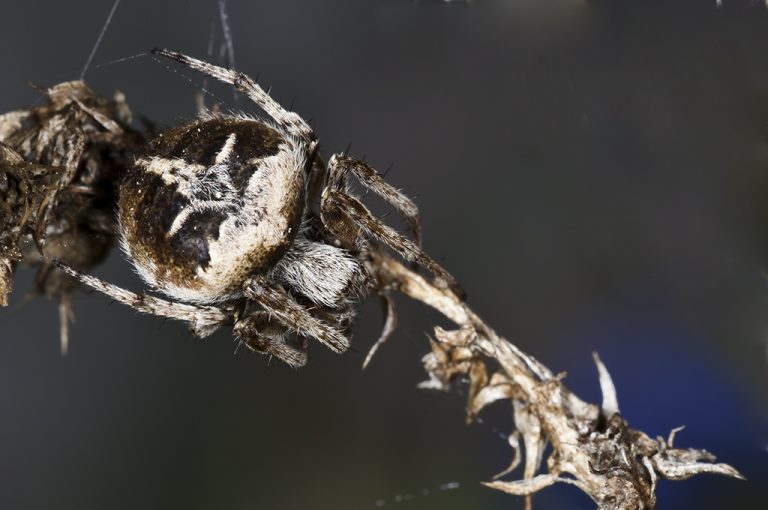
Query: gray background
(594,173)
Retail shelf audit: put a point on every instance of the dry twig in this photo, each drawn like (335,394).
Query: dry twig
(592,447)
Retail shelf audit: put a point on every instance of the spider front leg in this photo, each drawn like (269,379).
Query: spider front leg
(265,335)
(340,165)
(290,122)
(279,303)
(345,216)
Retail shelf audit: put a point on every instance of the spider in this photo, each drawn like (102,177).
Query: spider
(239,221)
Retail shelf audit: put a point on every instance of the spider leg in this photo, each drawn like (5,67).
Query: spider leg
(290,122)
(203,320)
(336,205)
(265,335)
(279,303)
(340,165)
(316,181)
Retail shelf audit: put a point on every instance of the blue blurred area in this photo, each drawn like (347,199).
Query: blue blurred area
(667,375)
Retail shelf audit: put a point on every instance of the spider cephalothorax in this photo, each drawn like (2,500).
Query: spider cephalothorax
(240,222)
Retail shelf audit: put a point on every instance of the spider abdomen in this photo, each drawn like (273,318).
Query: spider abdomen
(210,203)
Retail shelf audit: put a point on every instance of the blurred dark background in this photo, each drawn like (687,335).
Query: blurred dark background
(594,173)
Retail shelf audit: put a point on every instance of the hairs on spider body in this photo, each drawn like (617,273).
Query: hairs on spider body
(240,221)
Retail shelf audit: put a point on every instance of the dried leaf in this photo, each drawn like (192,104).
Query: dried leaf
(497,389)
(651,473)
(672,434)
(514,442)
(527,487)
(390,323)
(529,426)
(455,338)
(610,401)
(672,470)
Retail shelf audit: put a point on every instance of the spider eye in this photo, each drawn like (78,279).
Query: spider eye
(211,203)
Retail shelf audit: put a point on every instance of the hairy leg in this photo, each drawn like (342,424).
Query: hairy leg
(280,304)
(290,122)
(336,205)
(265,335)
(341,165)
(203,320)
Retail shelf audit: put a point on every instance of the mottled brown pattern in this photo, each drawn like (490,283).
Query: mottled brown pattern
(25,188)
(199,142)
(74,147)
(148,206)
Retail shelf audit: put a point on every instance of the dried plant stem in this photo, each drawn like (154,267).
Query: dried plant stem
(592,447)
